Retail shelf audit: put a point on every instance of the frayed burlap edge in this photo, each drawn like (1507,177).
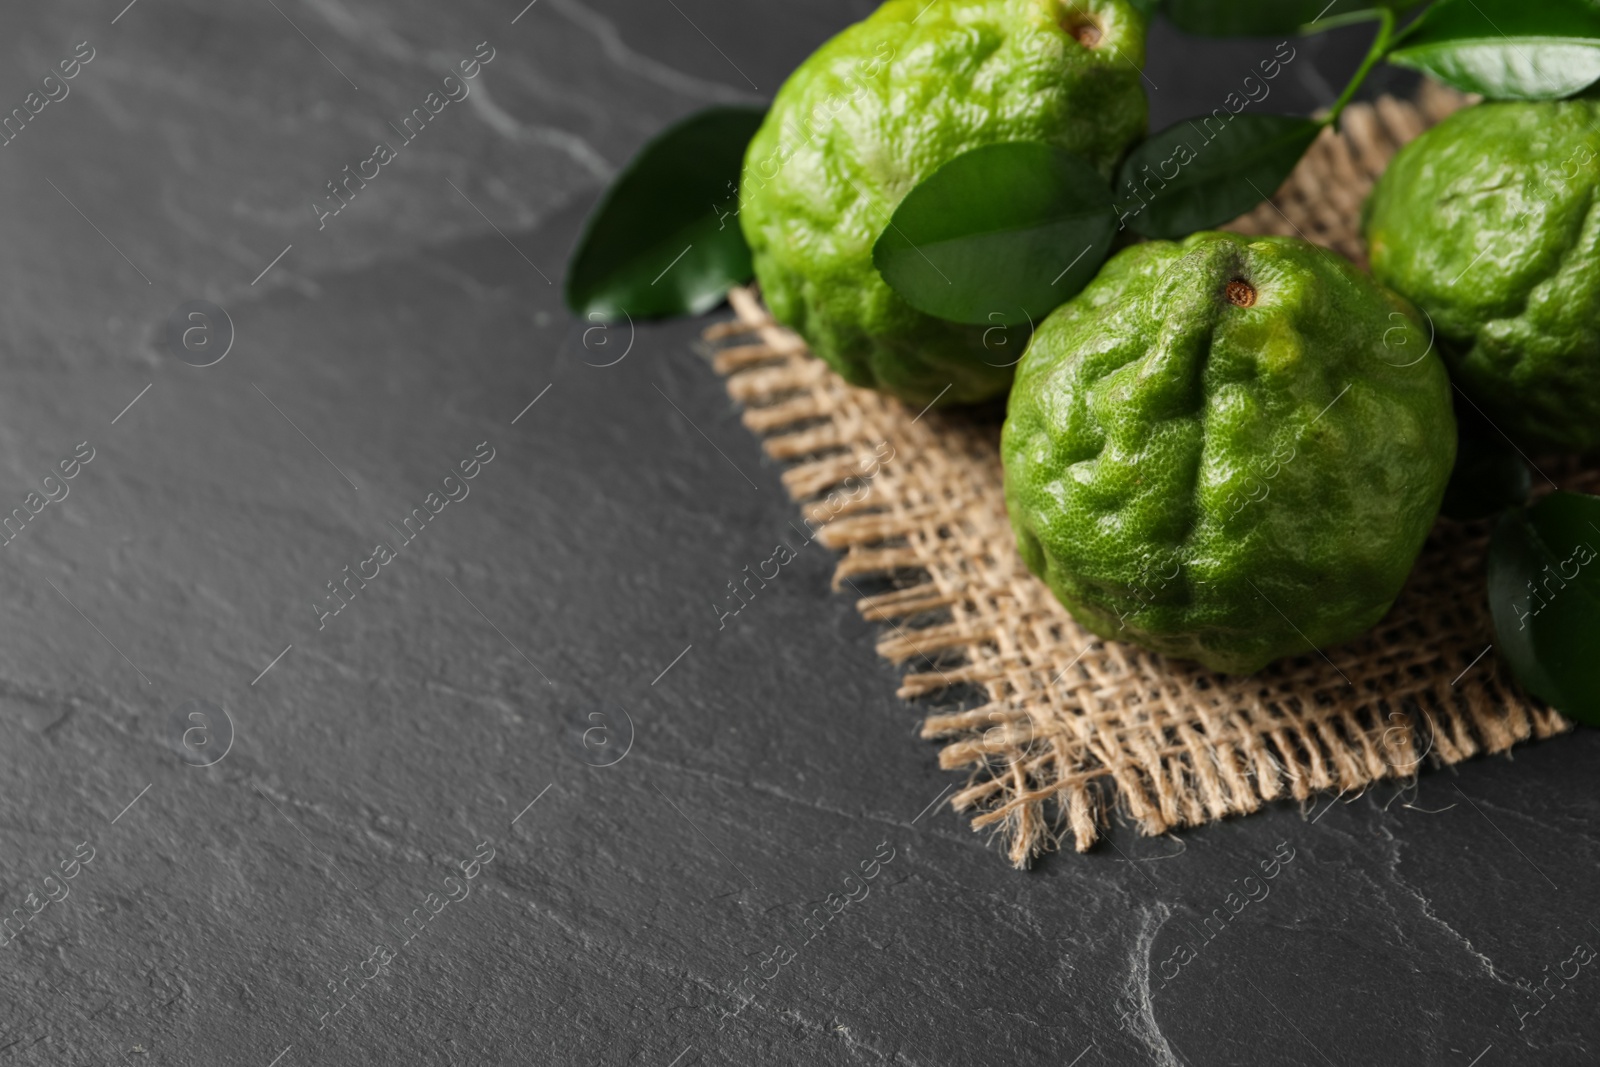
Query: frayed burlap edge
(1068,724)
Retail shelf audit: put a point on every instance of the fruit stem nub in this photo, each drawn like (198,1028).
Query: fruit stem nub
(1081,26)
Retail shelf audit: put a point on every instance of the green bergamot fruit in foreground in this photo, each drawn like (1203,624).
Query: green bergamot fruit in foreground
(1491,224)
(883,105)
(1228,449)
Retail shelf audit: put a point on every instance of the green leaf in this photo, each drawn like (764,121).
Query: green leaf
(1270,18)
(1507,49)
(1490,476)
(999,235)
(1544,594)
(1200,173)
(665,238)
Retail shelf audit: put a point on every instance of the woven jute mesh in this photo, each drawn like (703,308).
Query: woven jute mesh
(1056,726)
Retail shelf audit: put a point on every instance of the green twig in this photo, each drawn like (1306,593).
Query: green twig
(1380,48)
(1334,22)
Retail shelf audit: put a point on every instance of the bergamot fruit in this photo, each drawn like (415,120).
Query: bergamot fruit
(883,105)
(1228,449)
(1490,223)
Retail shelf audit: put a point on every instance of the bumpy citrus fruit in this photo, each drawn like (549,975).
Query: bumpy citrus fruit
(880,107)
(1490,223)
(1228,450)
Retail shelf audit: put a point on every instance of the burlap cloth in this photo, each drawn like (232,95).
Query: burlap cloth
(1055,725)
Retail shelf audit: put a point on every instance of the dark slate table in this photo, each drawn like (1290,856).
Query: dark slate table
(239,828)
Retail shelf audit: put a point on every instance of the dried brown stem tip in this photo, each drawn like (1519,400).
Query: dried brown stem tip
(1241,293)
(1083,28)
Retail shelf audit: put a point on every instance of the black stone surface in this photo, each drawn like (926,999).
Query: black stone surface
(443,712)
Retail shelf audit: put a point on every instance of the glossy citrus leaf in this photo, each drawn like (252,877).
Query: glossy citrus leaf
(999,235)
(665,238)
(1507,49)
(1544,594)
(1202,172)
